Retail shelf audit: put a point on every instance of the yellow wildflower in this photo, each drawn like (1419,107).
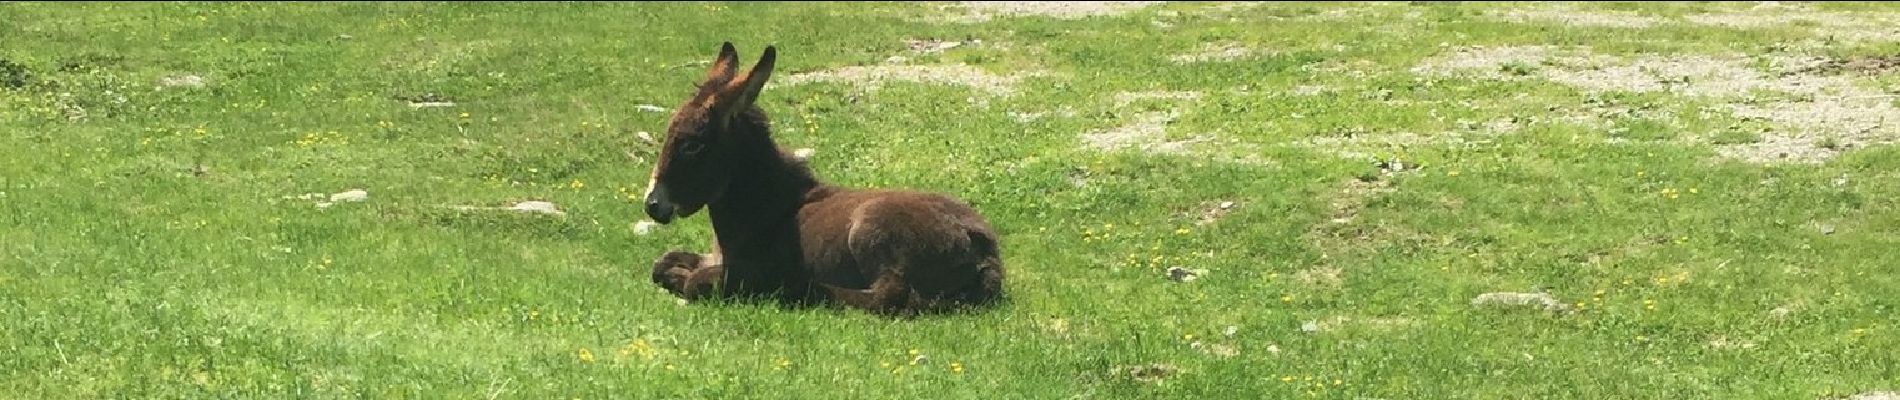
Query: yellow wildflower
(586,356)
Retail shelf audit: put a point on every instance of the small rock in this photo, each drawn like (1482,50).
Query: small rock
(1310,326)
(644,227)
(896,60)
(1876,396)
(345,36)
(537,207)
(1544,300)
(1230,331)
(803,153)
(431,104)
(1179,274)
(649,108)
(1273,348)
(920,360)
(643,135)
(1827,229)
(1226,205)
(350,196)
(182,81)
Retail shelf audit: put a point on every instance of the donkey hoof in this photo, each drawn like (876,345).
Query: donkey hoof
(673,267)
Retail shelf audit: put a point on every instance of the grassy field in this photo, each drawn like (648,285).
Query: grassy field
(1692,200)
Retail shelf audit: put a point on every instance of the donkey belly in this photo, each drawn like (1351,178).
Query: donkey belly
(937,245)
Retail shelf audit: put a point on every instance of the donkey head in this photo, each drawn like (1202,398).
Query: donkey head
(706,138)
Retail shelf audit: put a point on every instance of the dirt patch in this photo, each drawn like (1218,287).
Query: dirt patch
(1361,145)
(1147,131)
(932,46)
(1353,197)
(1342,233)
(1521,300)
(1152,373)
(1820,115)
(1574,17)
(1218,52)
(187,81)
(1213,211)
(872,78)
(1324,276)
(1357,68)
(1876,396)
(1849,26)
(1818,130)
(981,11)
(1865,65)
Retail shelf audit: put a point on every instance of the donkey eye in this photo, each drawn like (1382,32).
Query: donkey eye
(691,147)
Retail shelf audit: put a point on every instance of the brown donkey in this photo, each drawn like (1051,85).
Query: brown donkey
(779,231)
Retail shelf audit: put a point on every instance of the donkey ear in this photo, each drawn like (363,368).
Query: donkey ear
(748,89)
(740,94)
(724,66)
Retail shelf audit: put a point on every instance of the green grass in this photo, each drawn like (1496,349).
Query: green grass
(148,248)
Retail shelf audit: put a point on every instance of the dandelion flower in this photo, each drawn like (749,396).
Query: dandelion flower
(586,356)
(956,367)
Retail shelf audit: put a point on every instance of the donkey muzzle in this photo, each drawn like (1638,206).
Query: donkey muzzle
(659,208)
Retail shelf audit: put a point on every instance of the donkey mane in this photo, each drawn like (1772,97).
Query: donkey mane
(780,231)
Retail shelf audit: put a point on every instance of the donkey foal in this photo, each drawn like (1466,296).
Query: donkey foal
(779,231)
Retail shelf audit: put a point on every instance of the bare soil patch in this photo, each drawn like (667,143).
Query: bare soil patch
(1820,115)
(876,76)
(981,11)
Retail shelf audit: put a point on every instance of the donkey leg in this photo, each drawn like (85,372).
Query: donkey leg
(887,295)
(672,270)
(706,281)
